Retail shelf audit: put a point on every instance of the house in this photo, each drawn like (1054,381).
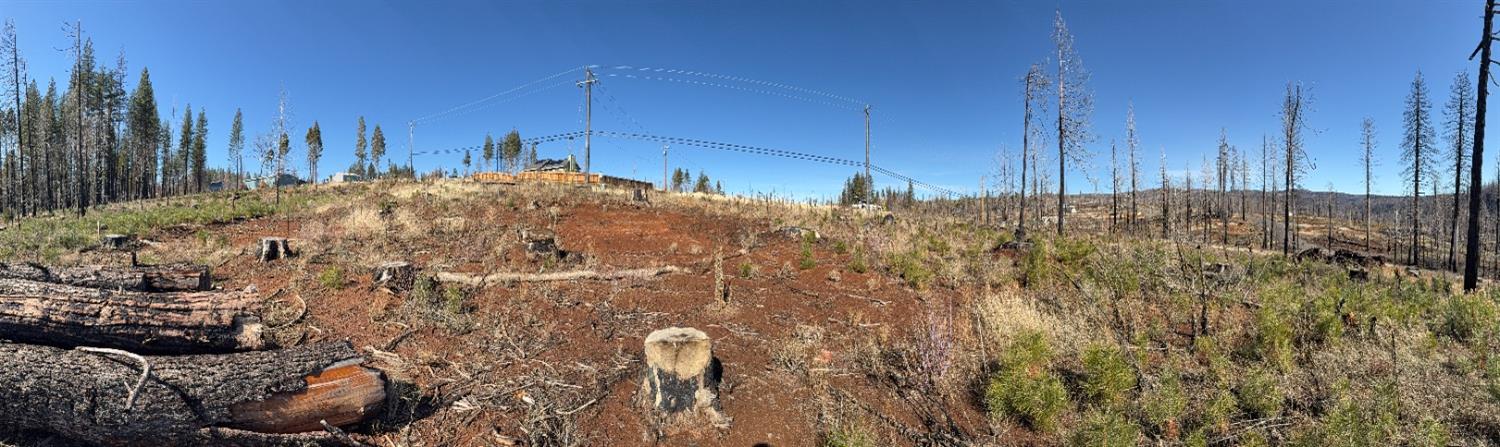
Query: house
(283,180)
(345,177)
(549,165)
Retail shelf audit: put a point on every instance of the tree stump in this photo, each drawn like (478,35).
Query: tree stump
(540,244)
(116,242)
(681,384)
(273,248)
(395,275)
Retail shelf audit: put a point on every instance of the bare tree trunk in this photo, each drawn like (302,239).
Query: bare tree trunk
(177,322)
(1471,247)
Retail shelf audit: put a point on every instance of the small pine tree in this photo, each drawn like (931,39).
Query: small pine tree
(467,160)
(200,151)
(702,185)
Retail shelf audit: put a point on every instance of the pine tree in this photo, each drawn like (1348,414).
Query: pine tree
(510,149)
(180,171)
(359,149)
(1293,124)
(468,159)
(200,149)
(314,140)
(1416,154)
(142,128)
(1367,158)
(237,146)
(377,149)
(489,151)
(1132,142)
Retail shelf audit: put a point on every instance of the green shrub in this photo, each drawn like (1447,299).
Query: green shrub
(453,300)
(747,270)
(1025,387)
(1165,403)
(857,263)
(806,261)
(1431,433)
(848,435)
(1492,379)
(332,277)
(840,247)
(1260,394)
(1273,337)
(1107,377)
(1219,412)
(1352,423)
(1468,316)
(1104,428)
(913,270)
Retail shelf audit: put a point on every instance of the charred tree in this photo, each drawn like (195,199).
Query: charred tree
(251,399)
(174,322)
(1471,247)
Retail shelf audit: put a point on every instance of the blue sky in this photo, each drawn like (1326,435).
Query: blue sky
(942,77)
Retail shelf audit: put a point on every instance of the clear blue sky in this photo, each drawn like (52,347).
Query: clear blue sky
(942,77)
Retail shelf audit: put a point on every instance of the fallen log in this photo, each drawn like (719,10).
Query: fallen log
(502,278)
(144,278)
(161,323)
(214,399)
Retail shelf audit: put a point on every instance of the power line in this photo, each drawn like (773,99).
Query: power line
(735,87)
(784,86)
(483,100)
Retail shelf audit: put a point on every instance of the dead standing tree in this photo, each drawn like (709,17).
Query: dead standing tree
(1131,143)
(1033,85)
(1074,105)
(1417,153)
(1367,158)
(1460,112)
(1471,246)
(1293,124)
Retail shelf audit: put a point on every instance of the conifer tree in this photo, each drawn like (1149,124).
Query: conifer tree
(200,149)
(489,152)
(1416,154)
(510,149)
(314,140)
(359,149)
(377,149)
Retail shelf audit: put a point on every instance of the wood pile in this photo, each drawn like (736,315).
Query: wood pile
(151,355)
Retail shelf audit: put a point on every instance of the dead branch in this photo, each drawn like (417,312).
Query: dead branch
(145,370)
(574,275)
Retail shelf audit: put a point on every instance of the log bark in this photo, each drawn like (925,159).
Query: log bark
(146,278)
(165,323)
(186,400)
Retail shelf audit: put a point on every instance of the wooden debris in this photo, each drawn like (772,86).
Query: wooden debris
(169,322)
(574,275)
(215,399)
(144,278)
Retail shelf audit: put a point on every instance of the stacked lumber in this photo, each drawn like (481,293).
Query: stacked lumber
(152,356)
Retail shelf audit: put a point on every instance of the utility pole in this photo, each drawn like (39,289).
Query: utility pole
(869,181)
(664,183)
(588,117)
(984,202)
(411,143)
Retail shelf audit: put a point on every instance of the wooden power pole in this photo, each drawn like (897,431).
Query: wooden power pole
(1471,246)
(869,181)
(588,117)
(664,184)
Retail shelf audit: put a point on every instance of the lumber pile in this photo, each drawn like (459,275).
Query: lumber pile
(152,356)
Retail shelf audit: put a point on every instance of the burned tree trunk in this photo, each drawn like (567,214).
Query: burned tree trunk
(680,388)
(221,399)
(273,248)
(145,278)
(175,322)
(395,275)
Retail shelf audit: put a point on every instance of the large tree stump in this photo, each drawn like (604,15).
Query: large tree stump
(116,242)
(395,275)
(145,278)
(171,322)
(216,399)
(681,384)
(273,248)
